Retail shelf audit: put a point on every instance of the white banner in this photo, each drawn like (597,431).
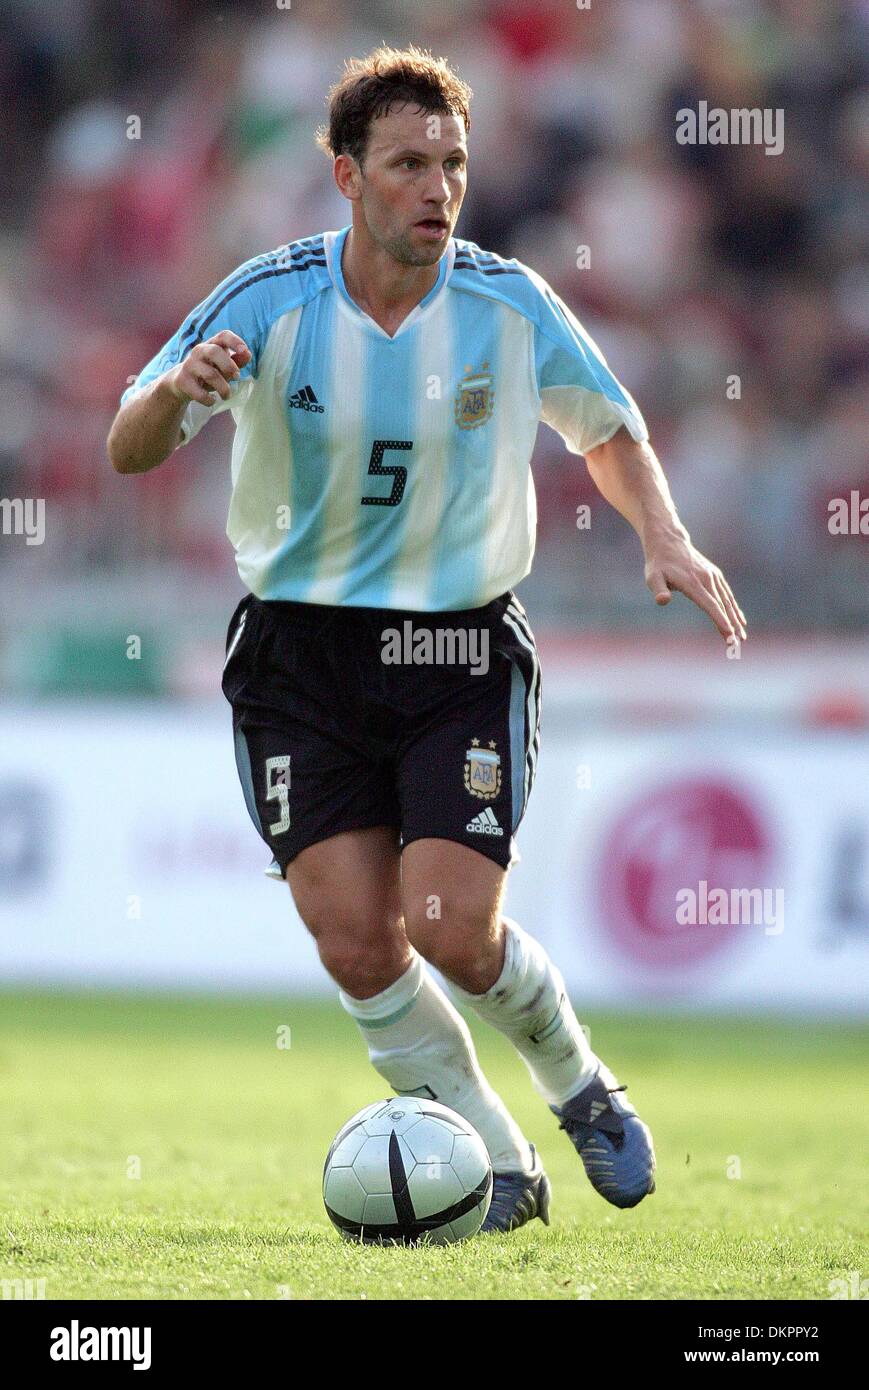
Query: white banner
(725,867)
(673,867)
(128,855)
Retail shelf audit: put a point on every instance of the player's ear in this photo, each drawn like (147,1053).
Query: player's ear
(347,175)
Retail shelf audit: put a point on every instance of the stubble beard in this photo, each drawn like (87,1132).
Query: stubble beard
(401,249)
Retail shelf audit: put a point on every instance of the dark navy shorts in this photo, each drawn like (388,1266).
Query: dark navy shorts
(347,717)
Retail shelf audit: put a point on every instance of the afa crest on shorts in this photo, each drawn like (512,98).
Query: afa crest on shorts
(483,770)
(475,398)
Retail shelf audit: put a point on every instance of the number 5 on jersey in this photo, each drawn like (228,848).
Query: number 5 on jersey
(378,469)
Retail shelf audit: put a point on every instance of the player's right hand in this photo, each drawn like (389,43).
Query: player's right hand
(209,367)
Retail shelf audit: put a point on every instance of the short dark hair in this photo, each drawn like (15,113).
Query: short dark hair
(389,77)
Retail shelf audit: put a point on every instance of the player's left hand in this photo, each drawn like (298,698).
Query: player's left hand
(674,564)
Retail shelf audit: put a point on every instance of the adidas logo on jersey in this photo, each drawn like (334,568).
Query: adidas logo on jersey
(484,824)
(306,400)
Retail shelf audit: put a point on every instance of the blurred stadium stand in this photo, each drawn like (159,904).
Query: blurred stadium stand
(705,262)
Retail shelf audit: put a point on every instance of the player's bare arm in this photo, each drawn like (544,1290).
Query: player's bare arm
(146,429)
(630,477)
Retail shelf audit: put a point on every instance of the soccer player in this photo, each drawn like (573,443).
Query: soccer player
(386,382)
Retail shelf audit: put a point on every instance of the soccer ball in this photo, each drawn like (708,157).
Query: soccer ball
(407,1170)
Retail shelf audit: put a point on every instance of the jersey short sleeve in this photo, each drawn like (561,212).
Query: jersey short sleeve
(238,304)
(581,398)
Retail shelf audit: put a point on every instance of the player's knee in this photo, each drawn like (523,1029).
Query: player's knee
(463,942)
(359,934)
(363,965)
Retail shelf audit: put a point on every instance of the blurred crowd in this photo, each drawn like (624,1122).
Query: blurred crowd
(151,145)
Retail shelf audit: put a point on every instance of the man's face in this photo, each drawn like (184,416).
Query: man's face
(412,182)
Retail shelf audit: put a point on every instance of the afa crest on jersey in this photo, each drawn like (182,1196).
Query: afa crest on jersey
(482,771)
(475,398)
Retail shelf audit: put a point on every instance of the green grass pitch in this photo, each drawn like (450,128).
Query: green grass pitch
(228,1132)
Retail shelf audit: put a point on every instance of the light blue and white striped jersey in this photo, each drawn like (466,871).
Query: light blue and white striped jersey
(394,472)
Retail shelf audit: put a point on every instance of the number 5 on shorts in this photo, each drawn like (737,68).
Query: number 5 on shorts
(278,789)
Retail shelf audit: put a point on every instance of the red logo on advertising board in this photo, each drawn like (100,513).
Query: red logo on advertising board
(678,837)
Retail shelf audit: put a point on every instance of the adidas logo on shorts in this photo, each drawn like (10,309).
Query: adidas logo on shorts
(484,824)
(305,400)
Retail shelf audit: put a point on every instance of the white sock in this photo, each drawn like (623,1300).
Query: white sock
(421,1045)
(529,1004)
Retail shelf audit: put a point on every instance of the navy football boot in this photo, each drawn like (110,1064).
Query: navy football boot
(518,1197)
(610,1138)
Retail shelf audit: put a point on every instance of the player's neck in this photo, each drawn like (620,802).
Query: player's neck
(383,288)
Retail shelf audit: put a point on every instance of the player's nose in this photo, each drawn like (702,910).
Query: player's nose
(439,191)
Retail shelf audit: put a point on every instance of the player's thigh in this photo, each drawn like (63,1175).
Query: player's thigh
(347,890)
(451,901)
(353,877)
